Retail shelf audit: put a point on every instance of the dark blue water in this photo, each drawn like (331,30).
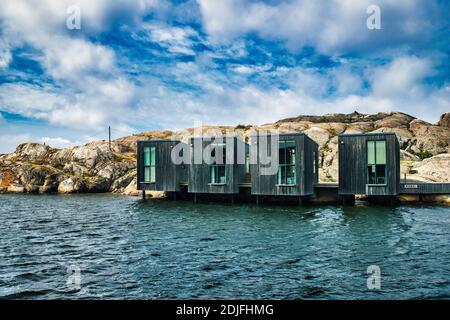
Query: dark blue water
(126,248)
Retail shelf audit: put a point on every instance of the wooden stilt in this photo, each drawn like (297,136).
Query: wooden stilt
(143,194)
(232,199)
(257,200)
(300,201)
(174,196)
(195,198)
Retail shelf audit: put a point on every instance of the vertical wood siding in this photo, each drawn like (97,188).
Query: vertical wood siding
(200,176)
(353,164)
(168,176)
(268,184)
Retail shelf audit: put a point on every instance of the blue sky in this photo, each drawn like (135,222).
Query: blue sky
(147,64)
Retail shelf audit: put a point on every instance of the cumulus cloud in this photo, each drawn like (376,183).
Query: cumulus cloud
(241,61)
(5,58)
(306,90)
(329,26)
(402,77)
(98,103)
(87,88)
(8,142)
(175,39)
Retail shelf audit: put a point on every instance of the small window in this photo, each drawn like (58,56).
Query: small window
(217,168)
(149,164)
(287,162)
(376,162)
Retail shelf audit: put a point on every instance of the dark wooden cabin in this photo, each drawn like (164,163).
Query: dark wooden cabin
(369,164)
(222,170)
(155,169)
(297,169)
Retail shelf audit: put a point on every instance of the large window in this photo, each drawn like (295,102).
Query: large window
(149,164)
(217,168)
(376,162)
(286,167)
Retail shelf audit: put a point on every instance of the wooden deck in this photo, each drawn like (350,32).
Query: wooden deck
(424,188)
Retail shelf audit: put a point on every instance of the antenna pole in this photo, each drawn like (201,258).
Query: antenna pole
(109,137)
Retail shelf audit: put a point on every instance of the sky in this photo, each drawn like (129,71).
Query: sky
(151,64)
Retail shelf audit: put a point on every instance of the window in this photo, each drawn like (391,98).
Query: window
(149,164)
(376,162)
(286,165)
(217,168)
(314,163)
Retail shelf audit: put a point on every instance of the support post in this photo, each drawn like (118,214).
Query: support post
(232,198)
(300,201)
(175,196)
(195,198)
(109,137)
(257,200)
(143,194)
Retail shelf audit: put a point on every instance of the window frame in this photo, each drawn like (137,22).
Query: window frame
(283,167)
(151,166)
(376,164)
(215,168)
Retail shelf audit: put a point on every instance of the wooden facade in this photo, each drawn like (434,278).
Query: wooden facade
(164,174)
(430,188)
(221,176)
(359,172)
(300,181)
(369,164)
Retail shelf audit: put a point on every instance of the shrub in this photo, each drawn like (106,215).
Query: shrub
(423,154)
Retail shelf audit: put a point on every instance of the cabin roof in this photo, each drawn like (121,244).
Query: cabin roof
(158,140)
(367,134)
(280,134)
(215,137)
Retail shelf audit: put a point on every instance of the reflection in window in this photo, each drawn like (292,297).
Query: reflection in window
(149,164)
(376,162)
(286,166)
(217,168)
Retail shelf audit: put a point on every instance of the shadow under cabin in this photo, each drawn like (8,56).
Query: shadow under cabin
(293,176)
(369,164)
(217,166)
(156,170)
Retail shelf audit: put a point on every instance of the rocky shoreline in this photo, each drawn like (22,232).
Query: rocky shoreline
(100,167)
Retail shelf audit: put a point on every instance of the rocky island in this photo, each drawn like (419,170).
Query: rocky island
(100,167)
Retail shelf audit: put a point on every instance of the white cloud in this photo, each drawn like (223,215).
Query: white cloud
(88,90)
(401,77)
(56,142)
(98,103)
(5,58)
(249,69)
(307,91)
(329,26)
(72,58)
(175,39)
(9,142)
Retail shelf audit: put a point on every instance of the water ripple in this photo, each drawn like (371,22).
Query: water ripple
(126,248)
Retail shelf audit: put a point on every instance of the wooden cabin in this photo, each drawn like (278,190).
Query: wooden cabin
(296,171)
(155,169)
(369,164)
(217,165)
